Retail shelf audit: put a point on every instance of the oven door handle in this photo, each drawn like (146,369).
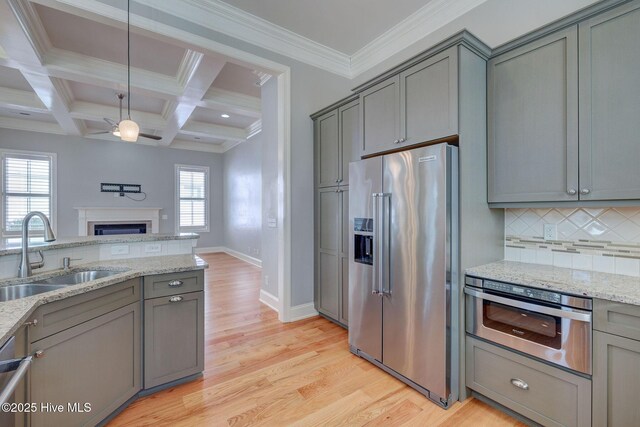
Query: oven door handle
(567,313)
(20,372)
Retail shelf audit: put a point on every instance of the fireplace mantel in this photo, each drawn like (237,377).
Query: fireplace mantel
(117,215)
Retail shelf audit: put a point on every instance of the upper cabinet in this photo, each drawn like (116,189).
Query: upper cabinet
(419,104)
(337,140)
(533,121)
(610,104)
(563,113)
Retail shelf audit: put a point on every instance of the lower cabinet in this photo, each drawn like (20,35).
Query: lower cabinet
(173,338)
(616,364)
(543,393)
(96,362)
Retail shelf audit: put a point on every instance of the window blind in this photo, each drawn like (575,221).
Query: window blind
(192,185)
(26,187)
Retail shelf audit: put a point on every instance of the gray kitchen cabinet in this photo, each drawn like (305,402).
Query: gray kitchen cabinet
(96,362)
(543,393)
(173,338)
(533,121)
(380,116)
(616,380)
(429,99)
(328,149)
(616,364)
(609,108)
(417,105)
(332,265)
(337,142)
(349,116)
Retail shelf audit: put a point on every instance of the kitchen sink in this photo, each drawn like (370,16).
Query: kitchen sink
(11,292)
(77,277)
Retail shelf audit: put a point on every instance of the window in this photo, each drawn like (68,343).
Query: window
(28,184)
(192,198)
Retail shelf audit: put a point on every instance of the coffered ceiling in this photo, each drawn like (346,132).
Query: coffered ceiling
(61,73)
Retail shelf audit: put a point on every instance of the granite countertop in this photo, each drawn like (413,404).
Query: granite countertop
(14,313)
(606,286)
(13,245)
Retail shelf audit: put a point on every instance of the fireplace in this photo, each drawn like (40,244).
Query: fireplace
(110,221)
(113,228)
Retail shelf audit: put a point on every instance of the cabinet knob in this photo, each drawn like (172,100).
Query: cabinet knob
(403,139)
(38,354)
(175,283)
(397,141)
(585,191)
(572,191)
(177,298)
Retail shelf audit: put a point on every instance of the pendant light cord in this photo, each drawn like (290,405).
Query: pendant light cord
(128,60)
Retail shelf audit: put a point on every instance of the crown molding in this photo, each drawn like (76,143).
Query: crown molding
(181,144)
(21,100)
(232,21)
(188,66)
(33,28)
(232,101)
(254,128)
(431,17)
(31,125)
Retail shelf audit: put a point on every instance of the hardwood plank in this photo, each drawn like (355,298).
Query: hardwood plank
(260,372)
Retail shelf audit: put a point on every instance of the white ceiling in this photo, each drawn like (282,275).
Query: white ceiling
(60,72)
(343,25)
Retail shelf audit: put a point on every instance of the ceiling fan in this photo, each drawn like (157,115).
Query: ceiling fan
(115,128)
(127,129)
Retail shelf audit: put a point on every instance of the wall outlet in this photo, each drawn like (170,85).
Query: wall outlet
(120,250)
(550,232)
(151,248)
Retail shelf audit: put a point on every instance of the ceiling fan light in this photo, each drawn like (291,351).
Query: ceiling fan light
(129,130)
(116,132)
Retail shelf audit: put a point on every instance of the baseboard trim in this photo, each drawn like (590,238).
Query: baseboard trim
(302,311)
(269,300)
(244,257)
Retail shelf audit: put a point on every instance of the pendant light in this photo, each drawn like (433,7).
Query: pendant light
(129,130)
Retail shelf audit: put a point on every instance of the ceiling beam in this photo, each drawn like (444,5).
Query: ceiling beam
(22,100)
(24,43)
(232,102)
(31,125)
(198,73)
(214,131)
(90,111)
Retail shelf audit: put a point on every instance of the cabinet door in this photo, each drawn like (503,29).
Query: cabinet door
(429,99)
(380,116)
(349,138)
(616,380)
(327,149)
(96,362)
(344,256)
(173,338)
(329,253)
(609,105)
(533,121)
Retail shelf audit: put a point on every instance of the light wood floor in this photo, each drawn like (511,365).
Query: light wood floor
(259,371)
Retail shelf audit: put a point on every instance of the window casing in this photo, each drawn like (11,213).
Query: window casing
(28,184)
(192,198)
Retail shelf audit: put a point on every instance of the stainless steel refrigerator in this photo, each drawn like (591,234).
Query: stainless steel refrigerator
(403,217)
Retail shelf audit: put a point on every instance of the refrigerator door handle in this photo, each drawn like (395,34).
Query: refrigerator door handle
(385,229)
(375,288)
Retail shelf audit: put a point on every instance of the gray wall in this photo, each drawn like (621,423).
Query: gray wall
(84,163)
(269,137)
(242,200)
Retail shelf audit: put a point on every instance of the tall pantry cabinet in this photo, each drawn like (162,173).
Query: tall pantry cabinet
(337,142)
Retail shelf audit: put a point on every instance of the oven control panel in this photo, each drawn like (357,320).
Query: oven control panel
(539,294)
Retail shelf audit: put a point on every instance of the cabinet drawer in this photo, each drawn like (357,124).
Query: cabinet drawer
(553,397)
(617,318)
(161,285)
(64,314)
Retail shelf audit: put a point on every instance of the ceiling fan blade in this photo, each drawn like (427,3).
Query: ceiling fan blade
(100,133)
(111,122)
(154,137)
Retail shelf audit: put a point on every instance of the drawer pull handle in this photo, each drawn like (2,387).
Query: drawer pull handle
(175,283)
(517,382)
(177,298)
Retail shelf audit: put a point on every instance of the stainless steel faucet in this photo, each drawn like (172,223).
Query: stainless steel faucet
(49,236)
